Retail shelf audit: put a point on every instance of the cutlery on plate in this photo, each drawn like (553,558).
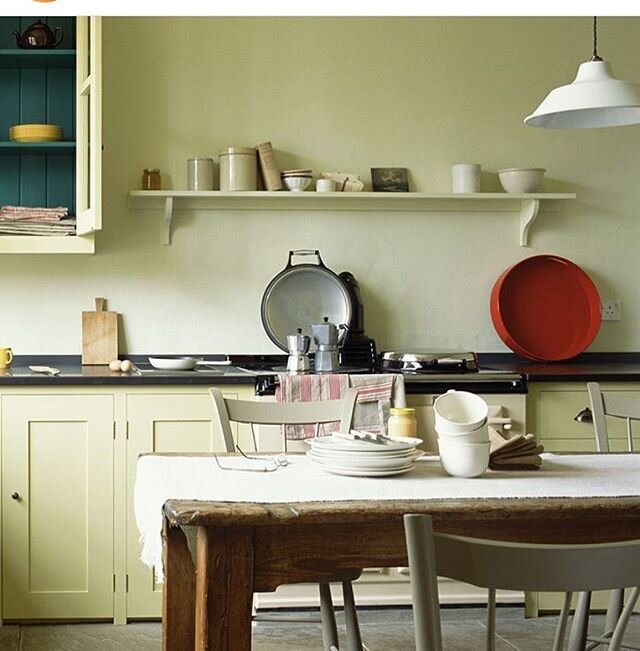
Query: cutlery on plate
(364,437)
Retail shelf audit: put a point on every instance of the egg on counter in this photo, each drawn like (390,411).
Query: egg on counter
(124,366)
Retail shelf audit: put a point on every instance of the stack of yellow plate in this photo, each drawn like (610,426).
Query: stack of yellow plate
(35,133)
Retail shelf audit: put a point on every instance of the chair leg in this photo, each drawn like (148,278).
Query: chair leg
(491,620)
(623,620)
(580,624)
(328,617)
(561,630)
(614,610)
(354,641)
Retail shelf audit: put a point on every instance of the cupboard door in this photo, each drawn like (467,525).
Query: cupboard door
(89,125)
(161,423)
(57,506)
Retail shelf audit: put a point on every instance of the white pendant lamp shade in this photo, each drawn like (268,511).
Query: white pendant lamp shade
(594,99)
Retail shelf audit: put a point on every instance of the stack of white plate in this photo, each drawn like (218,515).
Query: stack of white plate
(364,459)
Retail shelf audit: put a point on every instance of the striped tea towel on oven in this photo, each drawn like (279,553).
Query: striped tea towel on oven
(308,388)
(376,394)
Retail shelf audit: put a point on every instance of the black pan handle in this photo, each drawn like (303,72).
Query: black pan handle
(305,252)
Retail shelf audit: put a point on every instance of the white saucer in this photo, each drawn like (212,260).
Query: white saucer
(358,472)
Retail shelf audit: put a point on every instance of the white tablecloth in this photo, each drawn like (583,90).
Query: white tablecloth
(160,478)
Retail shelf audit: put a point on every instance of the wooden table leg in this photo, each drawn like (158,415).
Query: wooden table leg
(178,595)
(224,589)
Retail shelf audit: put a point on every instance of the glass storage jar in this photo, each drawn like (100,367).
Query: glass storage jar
(402,422)
(151,179)
(238,169)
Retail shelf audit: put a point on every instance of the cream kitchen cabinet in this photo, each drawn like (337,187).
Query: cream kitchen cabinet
(61,86)
(553,406)
(551,411)
(57,505)
(178,421)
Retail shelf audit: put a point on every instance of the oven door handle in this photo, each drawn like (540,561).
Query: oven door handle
(499,420)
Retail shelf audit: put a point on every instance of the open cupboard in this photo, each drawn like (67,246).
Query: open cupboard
(60,86)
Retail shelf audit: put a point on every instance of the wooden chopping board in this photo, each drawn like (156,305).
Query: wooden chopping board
(99,335)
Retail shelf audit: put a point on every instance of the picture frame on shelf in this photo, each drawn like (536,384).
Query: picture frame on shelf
(390,179)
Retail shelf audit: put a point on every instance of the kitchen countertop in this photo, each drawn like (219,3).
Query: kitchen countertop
(603,367)
(597,367)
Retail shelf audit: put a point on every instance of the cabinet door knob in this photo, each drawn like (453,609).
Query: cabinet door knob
(584,416)
(15,496)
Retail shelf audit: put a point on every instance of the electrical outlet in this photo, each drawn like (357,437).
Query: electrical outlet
(611,310)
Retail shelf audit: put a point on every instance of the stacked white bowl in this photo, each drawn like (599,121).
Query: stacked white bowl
(463,436)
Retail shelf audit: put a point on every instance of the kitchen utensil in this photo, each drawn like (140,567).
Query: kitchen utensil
(301,295)
(49,370)
(185,363)
(200,173)
(39,36)
(238,169)
(298,360)
(99,335)
(327,337)
(545,308)
(521,179)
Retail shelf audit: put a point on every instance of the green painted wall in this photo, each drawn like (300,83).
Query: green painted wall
(339,94)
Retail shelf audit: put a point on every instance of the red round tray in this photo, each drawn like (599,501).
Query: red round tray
(545,308)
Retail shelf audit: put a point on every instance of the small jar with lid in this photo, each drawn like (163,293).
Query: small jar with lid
(238,169)
(402,422)
(151,179)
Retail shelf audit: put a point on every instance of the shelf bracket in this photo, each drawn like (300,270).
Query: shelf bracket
(529,209)
(168,216)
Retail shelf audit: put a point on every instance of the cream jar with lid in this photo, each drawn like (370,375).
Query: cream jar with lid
(238,169)
(402,422)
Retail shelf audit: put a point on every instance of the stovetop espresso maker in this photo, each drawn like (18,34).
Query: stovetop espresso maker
(328,337)
(298,360)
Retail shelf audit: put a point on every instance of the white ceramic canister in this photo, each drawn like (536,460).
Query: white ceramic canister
(465,177)
(200,174)
(238,169)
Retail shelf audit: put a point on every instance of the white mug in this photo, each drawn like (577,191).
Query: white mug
(465,177)
(200,174)
(325,185)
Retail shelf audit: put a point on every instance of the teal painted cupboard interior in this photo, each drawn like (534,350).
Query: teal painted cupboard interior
(37,87)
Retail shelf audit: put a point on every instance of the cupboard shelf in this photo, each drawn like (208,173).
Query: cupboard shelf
(526,206)
(60,146)
(10,58)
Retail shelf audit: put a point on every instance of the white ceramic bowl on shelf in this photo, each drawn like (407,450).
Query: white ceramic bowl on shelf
(521,179)
(297,183)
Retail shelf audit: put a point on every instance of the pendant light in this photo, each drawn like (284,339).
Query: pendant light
(594,99)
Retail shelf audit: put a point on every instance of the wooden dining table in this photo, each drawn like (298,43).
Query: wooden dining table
(243,547)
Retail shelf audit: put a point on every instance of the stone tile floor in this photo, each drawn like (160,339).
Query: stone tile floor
(382,630)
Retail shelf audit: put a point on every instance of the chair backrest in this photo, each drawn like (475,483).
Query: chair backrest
(227,410)
(505,565)
(616,405)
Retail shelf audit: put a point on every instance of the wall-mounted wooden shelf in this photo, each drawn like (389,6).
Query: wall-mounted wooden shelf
(526,206)
(59,146)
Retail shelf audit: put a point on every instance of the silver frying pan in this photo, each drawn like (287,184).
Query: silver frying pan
(302,295)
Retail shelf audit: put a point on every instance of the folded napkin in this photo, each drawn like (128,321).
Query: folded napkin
(516,453)
(376,394)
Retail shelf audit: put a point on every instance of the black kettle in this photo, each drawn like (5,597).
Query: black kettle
(39,35)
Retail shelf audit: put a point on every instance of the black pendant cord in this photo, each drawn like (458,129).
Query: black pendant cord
(594,56)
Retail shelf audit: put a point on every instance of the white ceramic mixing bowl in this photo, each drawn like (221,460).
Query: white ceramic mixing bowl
(463,459)
(459,411)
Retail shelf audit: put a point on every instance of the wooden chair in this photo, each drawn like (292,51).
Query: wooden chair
(229,410)
(513,566)
(604,405)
